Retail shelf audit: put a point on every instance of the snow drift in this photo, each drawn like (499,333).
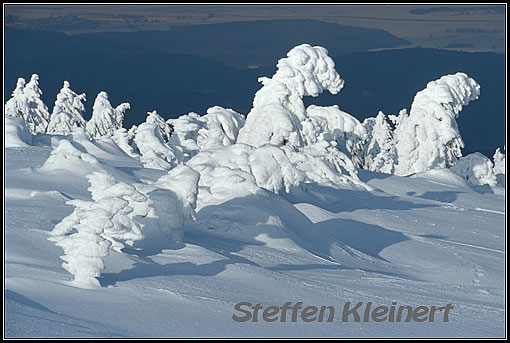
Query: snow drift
(16,133)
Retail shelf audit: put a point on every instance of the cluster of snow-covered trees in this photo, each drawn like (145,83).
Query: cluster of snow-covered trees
(279,145)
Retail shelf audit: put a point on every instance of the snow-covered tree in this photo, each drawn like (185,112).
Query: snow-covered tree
(124,140)
(79,234)
(218,127)
(26,103)
(499,162)
(164,128)
(278,108)
(397,119)
(108,221)
(174,198)
(154,152)
(429,137)
(379,154)
(476,169)
(105,119)
(68,111)
(334,125)
(282,144)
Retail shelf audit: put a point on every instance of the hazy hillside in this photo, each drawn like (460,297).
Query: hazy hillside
(255,43)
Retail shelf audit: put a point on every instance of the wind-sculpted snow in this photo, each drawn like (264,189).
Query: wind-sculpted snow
(274,168)
(105,119)
(16,133)
(218,127)
(26,103)
(476,169)
(278,108)
(334,125)
(164,129)
(499,162)
(429,137)
(154,152)
(68,111)
(174,198)
(96,226)
(66,157)
(124,140)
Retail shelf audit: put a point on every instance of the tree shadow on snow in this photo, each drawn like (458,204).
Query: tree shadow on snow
(343,243)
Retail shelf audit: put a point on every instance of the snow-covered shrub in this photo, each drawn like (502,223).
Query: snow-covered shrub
(124,139)
(174,198)
(275,168)
(429,137)
(218,127)
(499,162)
(105,119)
(108,221)
(68,111)
(278,108)
(499,167)
(378,152)
(164,129)
(154,152)
(332,124)
(476,169)
(26,103)
(16,133)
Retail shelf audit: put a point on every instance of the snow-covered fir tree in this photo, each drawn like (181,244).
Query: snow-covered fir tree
(105,119)
(68,111)
(164,128)
(26,103)
(378,151)
(429,137)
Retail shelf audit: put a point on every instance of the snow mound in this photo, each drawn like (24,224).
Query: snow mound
(271,167)
(476,169)
(218,127)
(66,157)
(278,108)
(429,137)
(16,133)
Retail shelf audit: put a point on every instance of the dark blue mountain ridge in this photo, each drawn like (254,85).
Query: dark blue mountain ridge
(176,84)
(255,43)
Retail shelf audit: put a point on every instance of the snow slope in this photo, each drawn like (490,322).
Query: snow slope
(425,239)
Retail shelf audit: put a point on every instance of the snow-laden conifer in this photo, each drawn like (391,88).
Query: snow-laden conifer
(26,103)
(105,119)
(68,111)
(429,137)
